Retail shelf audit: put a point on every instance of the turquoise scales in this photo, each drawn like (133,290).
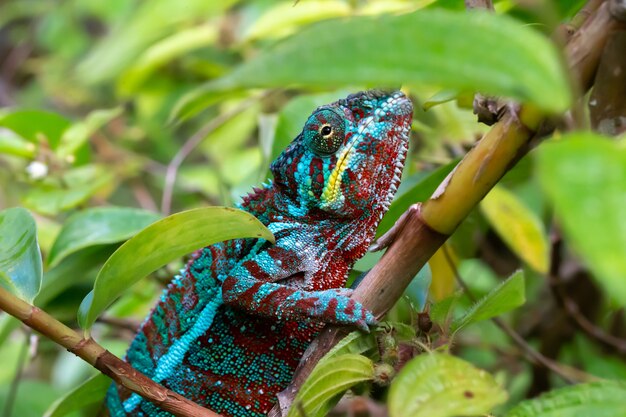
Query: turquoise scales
(228,332)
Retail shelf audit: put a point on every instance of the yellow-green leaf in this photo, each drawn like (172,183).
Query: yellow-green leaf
(496,55)
(440,385)
(584,175)
(518,227)
(160,243)
(331,377)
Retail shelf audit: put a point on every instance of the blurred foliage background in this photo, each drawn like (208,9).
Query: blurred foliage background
(107,114)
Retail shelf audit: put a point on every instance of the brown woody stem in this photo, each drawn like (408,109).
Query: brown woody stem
(428,226)
(100,358)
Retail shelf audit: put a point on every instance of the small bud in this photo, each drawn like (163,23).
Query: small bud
(37,170)
(423,322)
(383,373)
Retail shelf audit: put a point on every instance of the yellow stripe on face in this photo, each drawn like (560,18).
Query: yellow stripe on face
(332,190)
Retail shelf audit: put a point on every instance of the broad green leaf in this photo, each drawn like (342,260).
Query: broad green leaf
(505,297)
(496,55)
(150,23)
(161,243)
(35,125)
(419,192)
(597,399)
(77,134)
(20,259)
(91,391)
(518,227)
(441,97)
(98,226)
(440,385)
(330,378)
(284,19)
(8,323)
(164,51)
(32,398)
(13,144)
(584,176)
(75,269)
(79,185)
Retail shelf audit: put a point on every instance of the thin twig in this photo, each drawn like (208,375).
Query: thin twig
(142,195)
(479,4)
(570,307)
(573,312)
(191,144)
(531,353)
(131,325)
(15,383)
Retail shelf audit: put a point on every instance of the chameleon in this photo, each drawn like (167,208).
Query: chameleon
(229,330)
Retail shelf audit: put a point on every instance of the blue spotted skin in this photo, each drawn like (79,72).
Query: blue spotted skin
(228,332)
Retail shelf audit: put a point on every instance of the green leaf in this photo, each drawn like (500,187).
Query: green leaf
(79,185)
(584,176)
(78,268)
(13,144)
(89,392)
(283,18)
(441,97)
(77,134)
(149,23)
(419,192)
(330,378)
(35,125)
(597,399)
(518,227)
(161,243)
(20,259)
(32,398)
(98,226)
(496,55)
(164,51)
(439,385)
(356,342)
(7,325)
(509,295)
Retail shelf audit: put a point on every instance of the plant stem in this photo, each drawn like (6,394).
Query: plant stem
(103,360)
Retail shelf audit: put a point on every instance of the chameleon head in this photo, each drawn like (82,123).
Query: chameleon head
(349,157)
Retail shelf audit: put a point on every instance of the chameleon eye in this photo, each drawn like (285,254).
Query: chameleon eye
(324,132)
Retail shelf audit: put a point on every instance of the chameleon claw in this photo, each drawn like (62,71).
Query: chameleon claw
(364,323)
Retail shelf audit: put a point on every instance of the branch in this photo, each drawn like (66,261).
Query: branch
(98,357)
(571,309)
(425,228)
(569,374)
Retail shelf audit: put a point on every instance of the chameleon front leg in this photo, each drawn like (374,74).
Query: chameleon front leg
(284,302)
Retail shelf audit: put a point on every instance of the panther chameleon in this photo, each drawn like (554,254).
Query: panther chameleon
(228,332)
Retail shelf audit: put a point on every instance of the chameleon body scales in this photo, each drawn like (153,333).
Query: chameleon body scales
(229,331)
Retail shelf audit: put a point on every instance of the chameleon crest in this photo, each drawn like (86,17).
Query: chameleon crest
(228,332)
